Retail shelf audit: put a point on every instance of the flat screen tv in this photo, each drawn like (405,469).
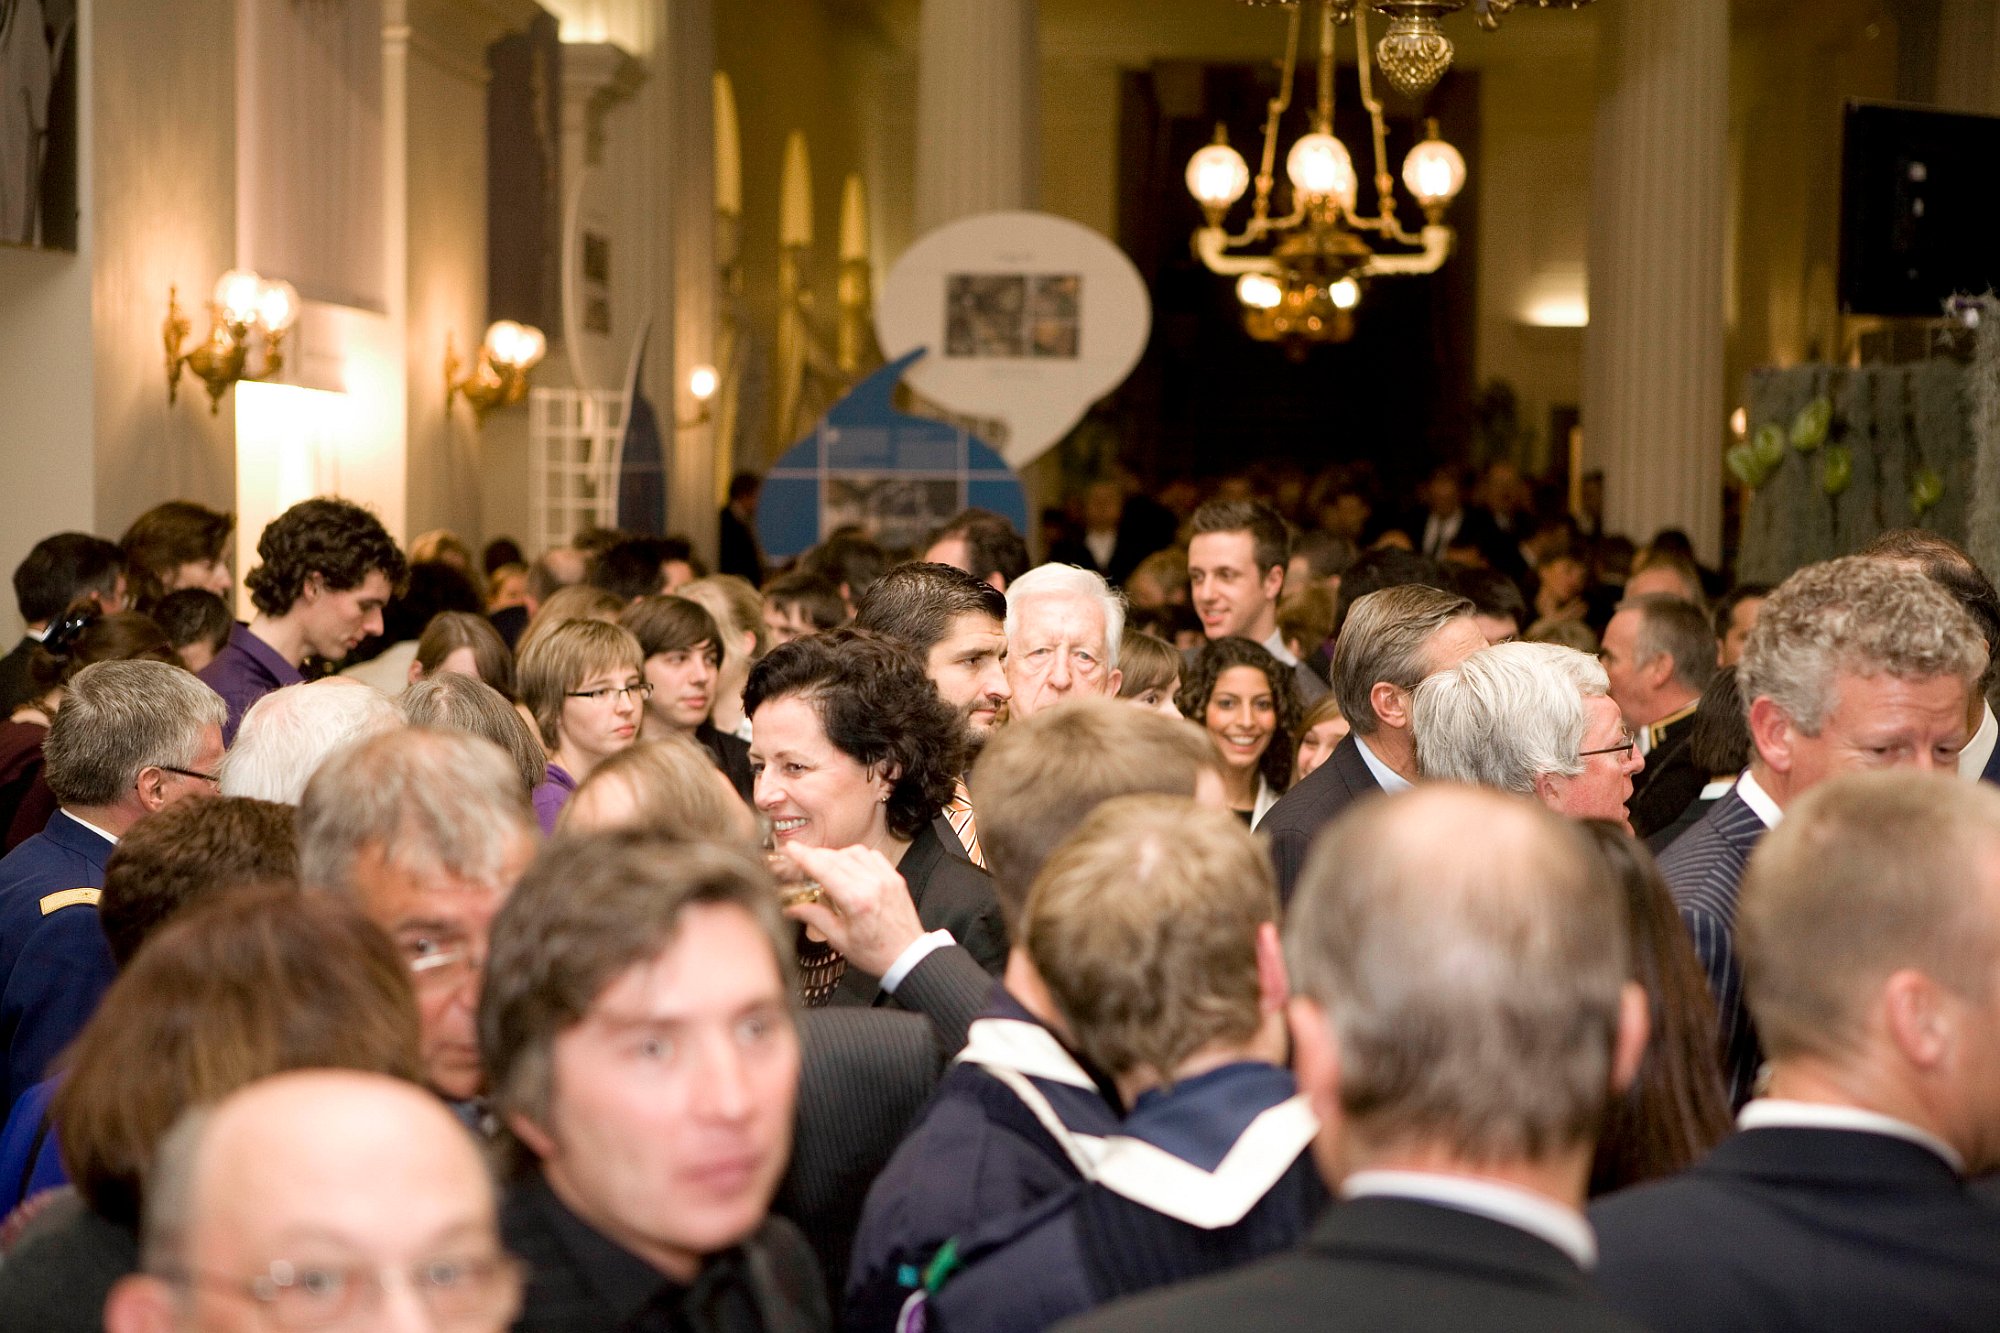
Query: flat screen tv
(1919,208)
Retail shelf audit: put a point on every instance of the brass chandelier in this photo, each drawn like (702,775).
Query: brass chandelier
(1305,286)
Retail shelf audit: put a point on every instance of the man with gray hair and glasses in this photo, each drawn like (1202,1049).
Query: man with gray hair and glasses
(1063,627)
(1390,641)
(1854,664)
(426,831)
(1460,1018)
(1530,718)
(319,1199)
(131,738)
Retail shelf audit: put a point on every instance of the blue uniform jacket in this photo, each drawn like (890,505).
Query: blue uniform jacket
(54,962)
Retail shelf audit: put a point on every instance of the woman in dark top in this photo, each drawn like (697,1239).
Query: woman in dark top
(853,747)
(1243,697)
(254,983)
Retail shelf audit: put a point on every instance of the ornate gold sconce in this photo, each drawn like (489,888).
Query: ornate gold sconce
(703,381)
(244,306)
(500,379)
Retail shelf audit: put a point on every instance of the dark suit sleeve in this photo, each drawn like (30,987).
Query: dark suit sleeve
(1288,857)
(864,1074)
(1715,947)
(949,988)
(63,971)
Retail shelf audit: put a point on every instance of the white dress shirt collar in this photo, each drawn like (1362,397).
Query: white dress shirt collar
(1972,759)
(1758,800)
(1777,1113)
(1387,778)
(1538,1215)
(93,828)
(1275,646)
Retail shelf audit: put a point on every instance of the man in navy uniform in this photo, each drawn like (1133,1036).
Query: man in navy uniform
(131,737)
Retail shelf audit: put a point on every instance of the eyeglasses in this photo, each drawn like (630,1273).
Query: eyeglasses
(213,779)
(445,970)
(643,691)
(459,1292)
(1625,746)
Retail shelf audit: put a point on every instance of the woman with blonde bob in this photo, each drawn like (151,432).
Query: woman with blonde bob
(584,682)
(667,787)
(253,983)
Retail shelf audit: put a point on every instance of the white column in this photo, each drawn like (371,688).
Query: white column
(978,109)
(692,485)
(1653,415)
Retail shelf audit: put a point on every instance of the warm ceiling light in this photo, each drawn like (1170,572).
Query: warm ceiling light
(1434,172)
(1217,176)
(703,382)
(506,355)
(1259,291)
(1320,168)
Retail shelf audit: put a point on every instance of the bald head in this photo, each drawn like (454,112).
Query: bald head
(333,1169)
(1472,983)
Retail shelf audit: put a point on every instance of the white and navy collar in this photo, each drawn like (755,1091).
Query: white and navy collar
(1779,1113)
(1972,759)
(1387,778)
(1524,1210)
(110,838)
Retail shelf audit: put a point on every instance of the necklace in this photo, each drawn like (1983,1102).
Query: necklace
(821,967)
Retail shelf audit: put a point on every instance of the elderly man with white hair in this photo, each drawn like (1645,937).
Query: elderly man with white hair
(1063,626)
(1533,718)
(288,733)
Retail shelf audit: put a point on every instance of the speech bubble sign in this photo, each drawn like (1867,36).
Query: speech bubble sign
(1029,319)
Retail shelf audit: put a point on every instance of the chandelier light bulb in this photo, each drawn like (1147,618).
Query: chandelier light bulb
(1259,291)
(1217,176)
(277,305)
(236,295)
(1320,168)
(1345,294)
(1434,172)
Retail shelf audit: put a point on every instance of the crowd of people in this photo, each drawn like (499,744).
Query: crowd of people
(1272,911)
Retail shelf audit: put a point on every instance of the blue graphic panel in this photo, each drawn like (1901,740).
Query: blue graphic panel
(896,475)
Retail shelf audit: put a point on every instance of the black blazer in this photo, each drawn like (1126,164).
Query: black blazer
(1310,806)
(1807,1229)
(1380,1263)
(864,1074)
(1669,782)
(732,755)
(951,894)
(1704,871)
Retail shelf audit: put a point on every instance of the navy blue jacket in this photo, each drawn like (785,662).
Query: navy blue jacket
(1208,1175)
(1704,872)
(979,1152)
(54,962)
(1785,1228)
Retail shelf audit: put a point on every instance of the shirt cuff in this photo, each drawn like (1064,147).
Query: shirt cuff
(906,962)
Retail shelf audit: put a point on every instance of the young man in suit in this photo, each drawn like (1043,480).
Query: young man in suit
(1659,653)
(1855,663)
(638,1030)
(1869,930)
(1390,641)
(1018,1093)
(1236,573)
(58,571)
(1460,1018)
(131,738)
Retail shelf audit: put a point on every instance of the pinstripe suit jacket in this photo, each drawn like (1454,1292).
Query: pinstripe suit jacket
(1704,870)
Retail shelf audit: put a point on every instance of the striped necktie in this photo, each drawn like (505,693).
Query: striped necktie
(958,813)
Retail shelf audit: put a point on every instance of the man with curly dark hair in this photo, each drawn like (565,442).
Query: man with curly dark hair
(328,568)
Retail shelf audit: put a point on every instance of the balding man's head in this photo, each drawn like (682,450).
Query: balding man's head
(1466,988)
(318,1194)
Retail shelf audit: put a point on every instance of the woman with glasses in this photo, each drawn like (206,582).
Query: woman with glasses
(585,683)
(853,747)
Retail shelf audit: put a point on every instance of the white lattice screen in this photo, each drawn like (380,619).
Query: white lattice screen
(572,451)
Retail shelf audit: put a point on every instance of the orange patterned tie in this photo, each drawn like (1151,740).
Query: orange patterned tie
(958,812)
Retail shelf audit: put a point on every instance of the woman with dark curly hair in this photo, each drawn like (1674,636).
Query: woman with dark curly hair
(851,746)
(1243,696)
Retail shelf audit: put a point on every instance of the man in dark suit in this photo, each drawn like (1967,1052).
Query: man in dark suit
(985,1146)
(1869,929)
(1855,663)
(1390,642)
(58,571)
(1119,530)
(638,1032)
(1426,974)
(1236,573)
(1659,653)
(131,737)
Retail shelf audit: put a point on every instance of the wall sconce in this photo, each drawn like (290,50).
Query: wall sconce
(703,381)
(500,379)
(244,305)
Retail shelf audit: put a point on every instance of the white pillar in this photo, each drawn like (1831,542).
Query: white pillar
(692,485)
(978,109)
(1653,415)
